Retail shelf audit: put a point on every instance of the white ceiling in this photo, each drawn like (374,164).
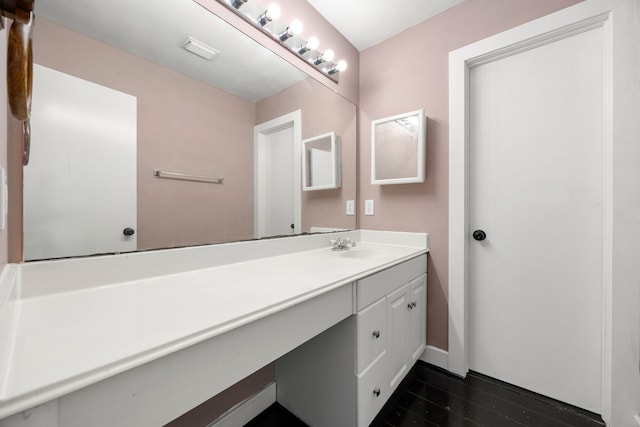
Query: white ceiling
(243,66)
(157,33)
(366,23)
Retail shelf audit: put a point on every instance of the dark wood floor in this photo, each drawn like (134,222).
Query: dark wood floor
(429,396)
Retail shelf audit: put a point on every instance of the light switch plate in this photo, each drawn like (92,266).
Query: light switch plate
(368,207)
(351,207)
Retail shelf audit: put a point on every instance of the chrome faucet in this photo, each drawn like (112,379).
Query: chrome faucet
(341,244)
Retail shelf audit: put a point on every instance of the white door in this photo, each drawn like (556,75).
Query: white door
(277,179)
(536,190)
(80,184)
(279,215)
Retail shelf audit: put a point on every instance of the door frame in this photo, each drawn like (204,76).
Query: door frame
(260,132)
(573,20)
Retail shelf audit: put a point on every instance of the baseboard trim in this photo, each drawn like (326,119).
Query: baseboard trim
(248,409)
(435,356)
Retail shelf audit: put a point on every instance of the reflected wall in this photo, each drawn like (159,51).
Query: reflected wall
(188,126)
(183,125)
(322,112)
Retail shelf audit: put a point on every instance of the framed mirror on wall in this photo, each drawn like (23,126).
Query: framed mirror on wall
(321,162)
(194,114)
(398,149)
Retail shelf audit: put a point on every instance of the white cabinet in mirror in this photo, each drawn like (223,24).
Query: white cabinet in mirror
(321,162)
(398,149)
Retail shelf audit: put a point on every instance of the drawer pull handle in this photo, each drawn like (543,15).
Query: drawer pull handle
(376,334)
(412,305)
(376,391)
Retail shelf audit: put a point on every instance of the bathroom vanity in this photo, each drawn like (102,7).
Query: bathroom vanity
(139,339)
(344,376)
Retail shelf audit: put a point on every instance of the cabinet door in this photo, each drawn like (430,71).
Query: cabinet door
(371,334)
(418,318)
(398,334)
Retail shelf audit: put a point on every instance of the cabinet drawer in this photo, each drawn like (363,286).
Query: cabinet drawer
(377,285)
(371,334)
(372,393)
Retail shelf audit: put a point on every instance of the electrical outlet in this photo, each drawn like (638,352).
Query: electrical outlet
(351,207)
(368,207)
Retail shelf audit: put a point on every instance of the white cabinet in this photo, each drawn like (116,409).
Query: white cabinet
(398,304)
(344,376)
(417,318)
(407,323)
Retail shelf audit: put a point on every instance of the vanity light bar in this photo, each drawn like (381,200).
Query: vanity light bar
(266,21)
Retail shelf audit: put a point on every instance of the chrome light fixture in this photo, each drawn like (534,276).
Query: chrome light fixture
(311,44)
(292,30)
(340,66)
(272,12)
(286,36)
(327,56)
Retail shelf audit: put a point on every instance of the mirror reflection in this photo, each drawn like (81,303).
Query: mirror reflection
(321,162)
(398,149)
(117,98)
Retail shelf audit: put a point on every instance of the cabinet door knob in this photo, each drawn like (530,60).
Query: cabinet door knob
(410,306)
(414,304)
(376,334)
(376,391)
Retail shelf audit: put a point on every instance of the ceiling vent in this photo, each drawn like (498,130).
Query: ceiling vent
(198,48)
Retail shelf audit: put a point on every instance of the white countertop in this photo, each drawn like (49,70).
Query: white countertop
(60,341)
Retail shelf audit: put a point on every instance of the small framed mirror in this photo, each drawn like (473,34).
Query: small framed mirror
(398,149)
(321,164)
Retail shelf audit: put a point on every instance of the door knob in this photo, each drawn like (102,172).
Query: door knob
(479,235)
(128,231)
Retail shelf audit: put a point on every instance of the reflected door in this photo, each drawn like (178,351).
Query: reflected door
(83,147)
(277,177)
(279,220)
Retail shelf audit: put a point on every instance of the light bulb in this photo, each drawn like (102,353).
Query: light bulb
(340,66)
(313,43)
(296,27)
(292,30)
(328,55)
(325,57)
(273,11)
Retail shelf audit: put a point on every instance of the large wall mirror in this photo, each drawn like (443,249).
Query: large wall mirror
(117,96)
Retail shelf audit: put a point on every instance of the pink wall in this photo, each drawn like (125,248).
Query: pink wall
(208,411)
(408,72)
(184,125)
(322,112)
